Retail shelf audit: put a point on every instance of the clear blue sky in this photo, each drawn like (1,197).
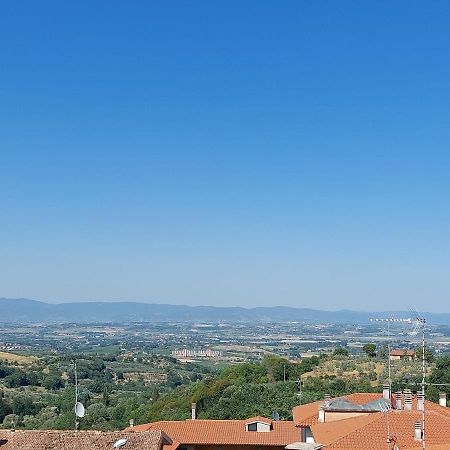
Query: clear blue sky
(226,153)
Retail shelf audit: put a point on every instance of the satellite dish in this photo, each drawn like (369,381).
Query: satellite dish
(120,443)
(79,409)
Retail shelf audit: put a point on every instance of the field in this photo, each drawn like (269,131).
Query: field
(19,359)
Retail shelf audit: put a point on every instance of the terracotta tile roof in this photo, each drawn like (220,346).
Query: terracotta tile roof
(332,431)
(307,415)
(224,432)
(432,447)
(373,435)
(83,440)
(258,419)
(369,431)
(400,352)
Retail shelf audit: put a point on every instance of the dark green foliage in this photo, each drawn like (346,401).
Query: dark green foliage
(370,350)
(340,351)
(237,391)
(429,354)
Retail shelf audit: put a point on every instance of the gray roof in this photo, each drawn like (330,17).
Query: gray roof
(342,404)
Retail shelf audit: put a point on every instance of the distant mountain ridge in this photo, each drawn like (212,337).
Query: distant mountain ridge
(33,311)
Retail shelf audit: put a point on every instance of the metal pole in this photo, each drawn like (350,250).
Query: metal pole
(423,383)
(389,358)
(76,394)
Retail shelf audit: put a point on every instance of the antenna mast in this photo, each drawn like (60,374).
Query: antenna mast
(76,394)
(423,322)
(388,321)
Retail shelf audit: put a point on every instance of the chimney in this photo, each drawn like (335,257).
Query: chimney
(420,401)
(131,423)
(408,399)
(442,399)
(327,400)
(194,411)
(387,391)
(417,431)
(321,418)
(398,400)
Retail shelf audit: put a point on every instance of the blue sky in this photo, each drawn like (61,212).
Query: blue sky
(226,153)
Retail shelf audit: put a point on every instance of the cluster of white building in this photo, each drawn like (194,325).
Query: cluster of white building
(188,353)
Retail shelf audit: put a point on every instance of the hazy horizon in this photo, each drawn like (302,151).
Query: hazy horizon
(250,154)
(411,310)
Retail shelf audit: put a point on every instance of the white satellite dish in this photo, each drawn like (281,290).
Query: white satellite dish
(79,409)
(120,443)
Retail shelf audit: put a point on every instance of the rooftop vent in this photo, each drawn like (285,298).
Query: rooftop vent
(398,400)
(321,418)
(386,391)
(417,432)
(408,399)
(420,401)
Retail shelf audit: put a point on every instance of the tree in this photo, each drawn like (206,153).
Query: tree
(5,409)
(370,350)
(429,355)
(340,351)
(52,382)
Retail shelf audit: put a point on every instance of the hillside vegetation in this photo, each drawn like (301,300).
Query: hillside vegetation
(43,395)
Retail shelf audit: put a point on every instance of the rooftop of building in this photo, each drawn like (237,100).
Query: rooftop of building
(224,432)
(370,429)
(402,352)
(82,440)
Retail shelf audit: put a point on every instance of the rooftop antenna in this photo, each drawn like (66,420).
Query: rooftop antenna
(385,409)
(388,321)
(299,394)
(419,324)
(79,407)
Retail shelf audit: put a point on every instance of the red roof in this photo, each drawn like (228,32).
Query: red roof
(224,432)
(82,440)
(258,419)
(308,414)
(373,434)
(400,353)
(369,430)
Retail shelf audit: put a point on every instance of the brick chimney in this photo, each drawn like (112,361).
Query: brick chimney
(417,431)
(442,399)
(194,411)
(387,391)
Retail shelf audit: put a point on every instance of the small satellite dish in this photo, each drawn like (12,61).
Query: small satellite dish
(120,443)
(79,409)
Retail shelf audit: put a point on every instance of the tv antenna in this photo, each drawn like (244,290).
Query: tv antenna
(419,323)
(388,321)
(79,407)
(299,394)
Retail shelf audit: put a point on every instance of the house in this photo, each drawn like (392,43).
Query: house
(82,440)
(255,433)
(374,422)
(399,354)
